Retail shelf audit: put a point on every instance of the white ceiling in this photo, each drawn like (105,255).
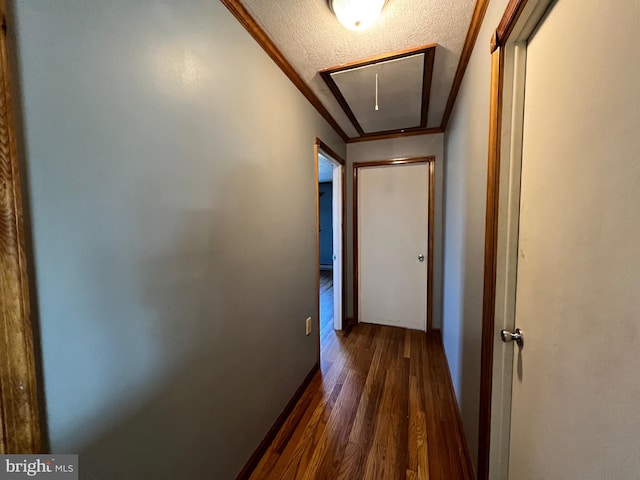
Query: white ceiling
(312,39)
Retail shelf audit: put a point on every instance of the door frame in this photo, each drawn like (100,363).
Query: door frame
(430,161)
(320,146)
(508,54)
(19,406)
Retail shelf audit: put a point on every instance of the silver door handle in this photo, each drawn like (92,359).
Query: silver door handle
(517,336)
(421,257)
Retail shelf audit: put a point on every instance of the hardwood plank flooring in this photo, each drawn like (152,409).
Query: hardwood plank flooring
(381,408)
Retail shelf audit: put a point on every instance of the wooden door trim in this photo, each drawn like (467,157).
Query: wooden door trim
(316,149)
(507,23)
(430,161)
(430,243)
(19,408)
(321,146)
(490,253)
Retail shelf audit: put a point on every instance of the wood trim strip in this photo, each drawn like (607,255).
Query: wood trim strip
(320,145)
(427,77)
(19,409)
(247,21)
(402,131)
(470,41)
(430,233)
(507,23)
(344,320)
(430,237)
(356,242)
(380,58)
(255,457)
(316,149)
(326,76)
(392,134)
(490,255)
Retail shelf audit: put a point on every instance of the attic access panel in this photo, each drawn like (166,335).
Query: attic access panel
(401,91)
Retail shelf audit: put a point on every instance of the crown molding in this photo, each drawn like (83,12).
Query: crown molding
(247,21)
(469,43)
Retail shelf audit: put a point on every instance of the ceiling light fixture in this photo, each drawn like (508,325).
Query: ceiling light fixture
(357,14)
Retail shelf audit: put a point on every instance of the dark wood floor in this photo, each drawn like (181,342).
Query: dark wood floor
(380,408)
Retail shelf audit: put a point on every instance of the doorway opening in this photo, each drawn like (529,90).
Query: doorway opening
(330,245)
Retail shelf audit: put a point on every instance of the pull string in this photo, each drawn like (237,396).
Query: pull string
(377,107)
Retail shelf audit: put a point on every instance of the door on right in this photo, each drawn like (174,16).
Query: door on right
(575,407)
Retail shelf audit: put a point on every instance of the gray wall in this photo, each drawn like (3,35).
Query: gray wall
(326,224)
(172,183)
(417,146)
(466,149)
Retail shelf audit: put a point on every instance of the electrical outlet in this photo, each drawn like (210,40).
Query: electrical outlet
(308,330)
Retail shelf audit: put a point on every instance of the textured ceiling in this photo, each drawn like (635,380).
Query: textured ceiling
(312,39)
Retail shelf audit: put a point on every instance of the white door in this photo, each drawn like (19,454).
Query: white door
(392,245)
(337,246)
(575,411)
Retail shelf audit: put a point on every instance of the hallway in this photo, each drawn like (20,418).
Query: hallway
(381,408)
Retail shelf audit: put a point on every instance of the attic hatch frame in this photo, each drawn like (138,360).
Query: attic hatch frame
(429,52)
(19,407)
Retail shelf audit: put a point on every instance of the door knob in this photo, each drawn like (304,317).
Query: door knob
(421,257)
(517,336)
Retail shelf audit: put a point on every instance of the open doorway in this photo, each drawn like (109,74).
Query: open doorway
(330,229)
